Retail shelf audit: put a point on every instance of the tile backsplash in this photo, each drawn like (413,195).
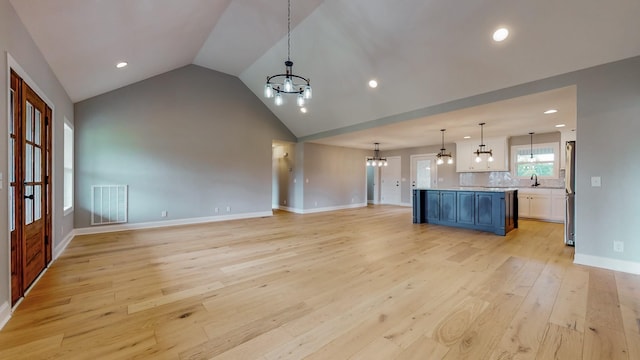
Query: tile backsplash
(504,179)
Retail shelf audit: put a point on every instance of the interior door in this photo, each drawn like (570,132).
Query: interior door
(390,179)
(424,172)
(30,190)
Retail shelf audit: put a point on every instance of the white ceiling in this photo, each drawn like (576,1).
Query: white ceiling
(422,53)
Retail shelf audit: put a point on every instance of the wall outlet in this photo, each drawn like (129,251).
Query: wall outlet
(228,208)
(163,213)
(618,246)
(216,210)
(315,203)
(284,202)
(596,181)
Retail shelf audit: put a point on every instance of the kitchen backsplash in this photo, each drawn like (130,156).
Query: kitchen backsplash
(504,179)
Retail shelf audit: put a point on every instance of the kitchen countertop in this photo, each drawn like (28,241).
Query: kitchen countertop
(474,188)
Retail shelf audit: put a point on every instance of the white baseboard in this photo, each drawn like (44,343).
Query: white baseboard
(608,263)
(332,208)
(322,209)
(57,251)
(289,209)
(158,224)
(5,314)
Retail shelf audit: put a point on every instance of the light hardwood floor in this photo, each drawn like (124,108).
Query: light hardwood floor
(353,284)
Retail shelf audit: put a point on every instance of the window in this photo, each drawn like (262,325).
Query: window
(68,167)
(544,163)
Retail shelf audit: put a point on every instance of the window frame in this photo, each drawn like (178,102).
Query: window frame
(556,159)
(68,160)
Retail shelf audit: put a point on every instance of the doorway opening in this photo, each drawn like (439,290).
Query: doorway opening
(424,172)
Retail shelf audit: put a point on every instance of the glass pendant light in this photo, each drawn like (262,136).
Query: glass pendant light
(268,91)
(442,154)
(481,148)
(278,99)
(288,85)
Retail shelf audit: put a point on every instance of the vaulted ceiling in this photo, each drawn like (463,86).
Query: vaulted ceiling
(421,52)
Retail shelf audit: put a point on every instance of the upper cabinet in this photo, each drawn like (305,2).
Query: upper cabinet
(466,157)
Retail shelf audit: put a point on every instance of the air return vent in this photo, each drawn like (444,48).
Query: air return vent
(108,204)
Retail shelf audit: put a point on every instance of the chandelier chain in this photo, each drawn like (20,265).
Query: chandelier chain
(289,30)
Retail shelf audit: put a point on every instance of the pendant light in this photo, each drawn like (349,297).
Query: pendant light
(531,159)
(481,149)
(288,83)
(376,160)
(441,155)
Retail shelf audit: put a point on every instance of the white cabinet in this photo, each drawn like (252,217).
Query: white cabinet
(534,203)
(558,204)
(465,157)
(543,204)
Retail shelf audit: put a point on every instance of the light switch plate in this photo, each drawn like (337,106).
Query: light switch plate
(596,181)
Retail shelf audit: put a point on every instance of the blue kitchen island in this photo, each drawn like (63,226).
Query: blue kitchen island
(486,209)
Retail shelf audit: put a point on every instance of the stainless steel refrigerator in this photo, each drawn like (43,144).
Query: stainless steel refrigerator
(570,184)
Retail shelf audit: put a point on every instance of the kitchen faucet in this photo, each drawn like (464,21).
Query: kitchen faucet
(535,183)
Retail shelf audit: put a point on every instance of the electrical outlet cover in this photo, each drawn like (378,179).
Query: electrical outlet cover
(618,246)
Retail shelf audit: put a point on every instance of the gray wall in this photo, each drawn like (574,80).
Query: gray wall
(537,139)
(336,176)
(607,145)
(446,173)
(15,40)
(186,141)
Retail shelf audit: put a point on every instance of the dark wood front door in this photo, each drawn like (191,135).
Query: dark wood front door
(30,191)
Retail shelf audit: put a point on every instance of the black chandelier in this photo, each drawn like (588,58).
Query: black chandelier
(481,149)
(288,83)
(376,160)
(441,155)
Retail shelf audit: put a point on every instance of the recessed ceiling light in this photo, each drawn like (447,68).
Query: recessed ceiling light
(500,34)
(303,110)
(373,84)
(550,111)
(121,64)
(467,137)
(560,125)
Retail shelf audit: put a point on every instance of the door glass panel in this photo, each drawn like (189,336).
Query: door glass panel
(12,208)
(423,174)
(29,117)
(11,122)
(37,164)
(37,202)
(28,176)
(36,130)
(28,205)
(12,160)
